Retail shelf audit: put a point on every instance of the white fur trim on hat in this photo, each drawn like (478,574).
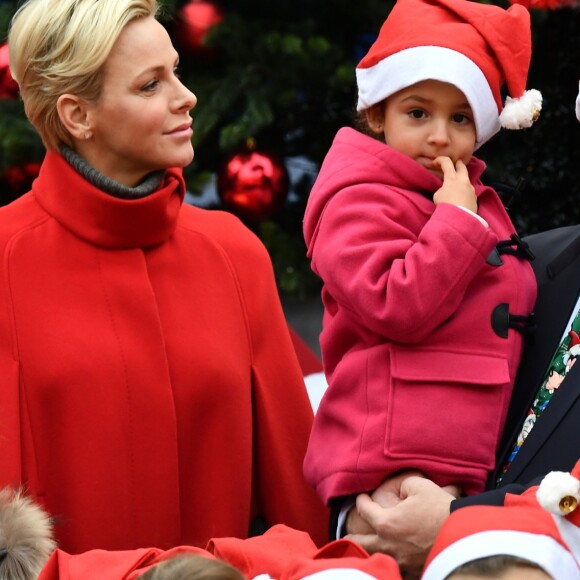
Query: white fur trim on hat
(521,112)
(339,574)
(330,574)
(570,534)
(542,550)
(412,65)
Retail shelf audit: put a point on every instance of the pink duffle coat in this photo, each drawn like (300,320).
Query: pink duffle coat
(418,375)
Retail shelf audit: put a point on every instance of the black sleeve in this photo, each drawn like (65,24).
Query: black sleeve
(494,496)
(335,509)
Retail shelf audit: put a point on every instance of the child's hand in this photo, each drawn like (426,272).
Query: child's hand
(457,188)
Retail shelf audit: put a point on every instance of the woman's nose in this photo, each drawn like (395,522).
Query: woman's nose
(186,99)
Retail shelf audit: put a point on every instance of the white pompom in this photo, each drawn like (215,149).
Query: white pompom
(521,113)
(559,492)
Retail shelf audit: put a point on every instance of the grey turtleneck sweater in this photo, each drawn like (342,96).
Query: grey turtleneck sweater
(104,183)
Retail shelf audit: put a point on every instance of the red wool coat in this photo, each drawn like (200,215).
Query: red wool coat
(418,375)
(150,393)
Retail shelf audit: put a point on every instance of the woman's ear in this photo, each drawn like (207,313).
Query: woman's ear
(375,118)
(72,111)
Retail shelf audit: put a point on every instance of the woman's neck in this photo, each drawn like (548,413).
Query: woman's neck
(104,183)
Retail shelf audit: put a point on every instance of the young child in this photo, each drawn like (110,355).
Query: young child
(427,288)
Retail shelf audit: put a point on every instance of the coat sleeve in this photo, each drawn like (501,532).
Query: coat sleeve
(401,271)
(493,496)
(282,412)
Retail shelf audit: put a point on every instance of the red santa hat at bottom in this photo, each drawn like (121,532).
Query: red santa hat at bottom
(541,526)
(343,560)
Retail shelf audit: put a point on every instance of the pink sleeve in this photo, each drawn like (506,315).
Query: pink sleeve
(424,274)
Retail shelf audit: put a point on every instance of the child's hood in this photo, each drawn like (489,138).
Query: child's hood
(355,158)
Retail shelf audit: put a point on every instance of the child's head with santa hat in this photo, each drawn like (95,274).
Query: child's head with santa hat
(473,46)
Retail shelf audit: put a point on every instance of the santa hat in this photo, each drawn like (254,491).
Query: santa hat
(284,553)
(343,560)
(473,46)
(340,560)
(540,526)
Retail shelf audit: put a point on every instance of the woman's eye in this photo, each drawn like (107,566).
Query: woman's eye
(150,86)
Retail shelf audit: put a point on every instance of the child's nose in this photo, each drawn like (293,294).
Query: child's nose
(439,132)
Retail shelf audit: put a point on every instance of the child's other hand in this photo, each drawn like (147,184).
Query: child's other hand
(456,188)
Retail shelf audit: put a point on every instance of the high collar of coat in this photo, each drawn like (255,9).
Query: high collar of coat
(356,159)
(102,219)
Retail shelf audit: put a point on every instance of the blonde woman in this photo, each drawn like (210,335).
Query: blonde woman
(150,392)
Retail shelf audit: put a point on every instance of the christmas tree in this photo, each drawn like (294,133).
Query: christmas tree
(275,81)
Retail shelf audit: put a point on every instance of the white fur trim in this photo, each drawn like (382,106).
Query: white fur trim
(330,574)
(542,550)
(578,104)
(339,574)
(570,533)
(420,63)
(521,113)
(555,486)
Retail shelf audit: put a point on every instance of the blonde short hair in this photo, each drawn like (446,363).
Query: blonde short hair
(60,46)
(192,568)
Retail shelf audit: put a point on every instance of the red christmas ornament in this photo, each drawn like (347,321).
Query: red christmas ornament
(8,86)
(253,184)
(193,23)
(17,180)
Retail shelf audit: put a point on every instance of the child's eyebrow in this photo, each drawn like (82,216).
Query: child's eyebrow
(426,100)
(416,98)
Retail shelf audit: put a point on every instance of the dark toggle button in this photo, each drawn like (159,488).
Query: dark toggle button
(502,321)
(515,246)
(494,259)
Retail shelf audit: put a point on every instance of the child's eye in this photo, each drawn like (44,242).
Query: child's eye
(417,114)
(461,119)
(177,72)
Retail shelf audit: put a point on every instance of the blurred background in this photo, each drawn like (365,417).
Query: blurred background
(275,81)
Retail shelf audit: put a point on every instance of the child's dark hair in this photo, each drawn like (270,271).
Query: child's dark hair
(192,568)
(361,124)
(492,566)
